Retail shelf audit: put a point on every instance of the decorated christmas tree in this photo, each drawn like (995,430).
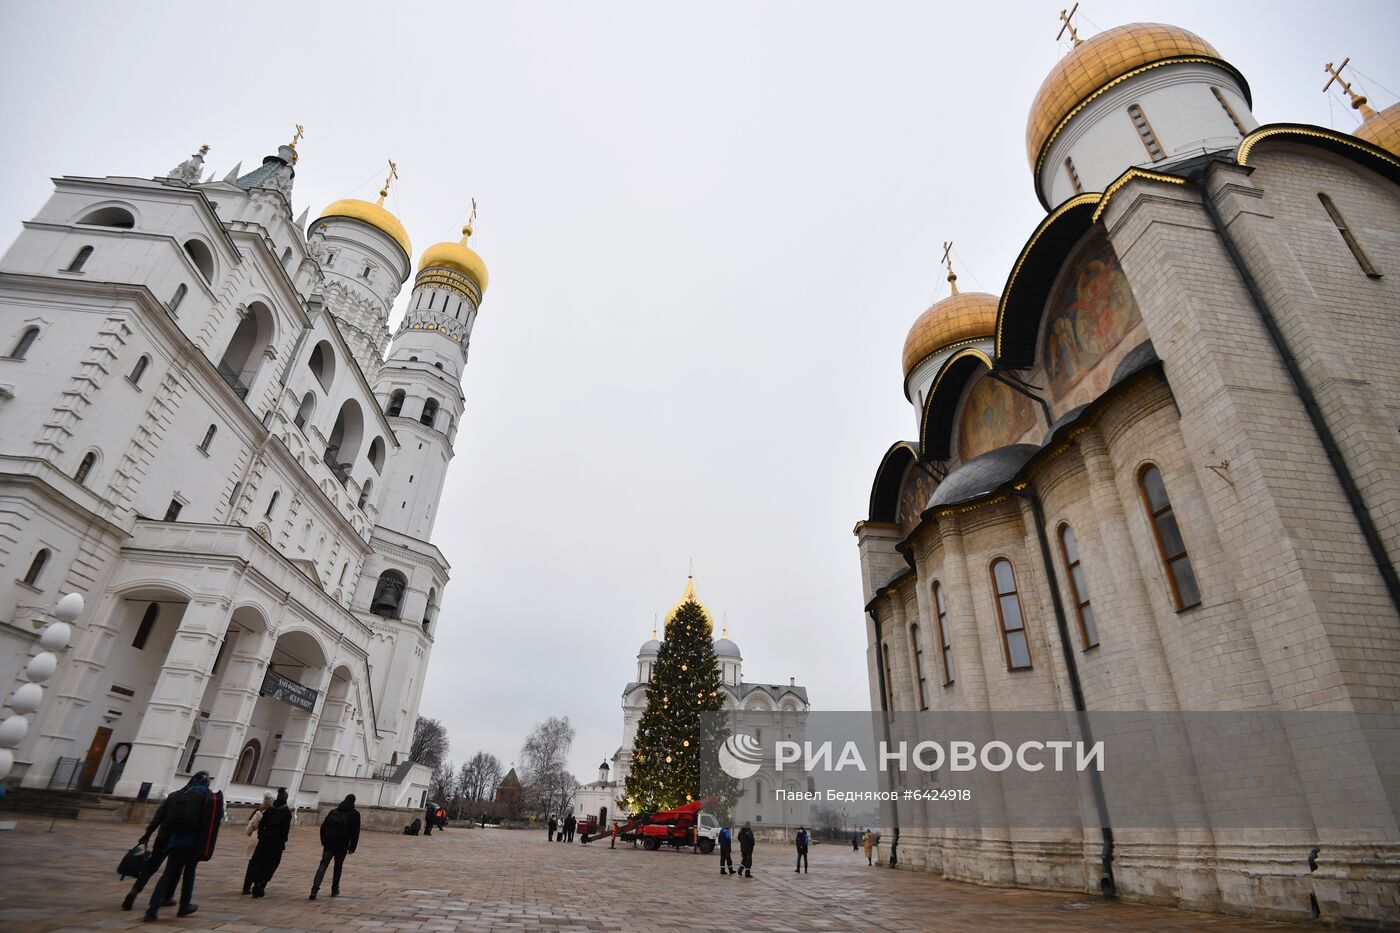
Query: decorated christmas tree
(674,755)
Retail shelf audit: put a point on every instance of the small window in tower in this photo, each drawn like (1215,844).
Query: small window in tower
(1225,105)
(208,438)
(148,622)
(1144,130)
(1073,176)
(1357,252)
(172,511)
(36,567)
(84,468)
(368,273)
(80,260)
(178,297)
(25,341)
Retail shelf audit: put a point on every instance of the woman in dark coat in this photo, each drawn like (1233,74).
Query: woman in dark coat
(272,839)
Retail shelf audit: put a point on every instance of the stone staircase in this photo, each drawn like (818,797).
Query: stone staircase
(62,804)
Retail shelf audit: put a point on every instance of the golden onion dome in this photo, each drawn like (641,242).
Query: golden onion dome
(961,317)
(1098,62)
(1382,130)
(457,256)
(689,596)
(373,214)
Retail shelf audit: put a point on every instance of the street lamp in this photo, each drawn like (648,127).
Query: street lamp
(28,696)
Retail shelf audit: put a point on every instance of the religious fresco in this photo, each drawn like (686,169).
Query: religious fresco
(1089,313)
(993,415)
(914,492)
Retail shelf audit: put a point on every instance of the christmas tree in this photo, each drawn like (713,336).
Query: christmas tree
(674,755)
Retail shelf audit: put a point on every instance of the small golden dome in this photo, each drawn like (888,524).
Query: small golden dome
(373,214)
(1096,62)
(959,317)
(457,256)
(1382,130)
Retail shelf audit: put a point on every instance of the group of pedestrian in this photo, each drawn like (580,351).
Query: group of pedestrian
(434,816)
(186,827)
(563,831)
(726,851)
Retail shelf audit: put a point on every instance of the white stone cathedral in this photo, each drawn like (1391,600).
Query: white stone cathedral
(201,432)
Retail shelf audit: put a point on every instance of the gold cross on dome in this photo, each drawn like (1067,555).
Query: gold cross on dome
(1358,101)
(393,173)
(948,262)
(297,136)
(1065,18)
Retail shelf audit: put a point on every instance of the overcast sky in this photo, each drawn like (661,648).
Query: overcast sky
(708,226)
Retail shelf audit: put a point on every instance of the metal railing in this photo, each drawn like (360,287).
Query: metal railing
(233,380)
(65,774)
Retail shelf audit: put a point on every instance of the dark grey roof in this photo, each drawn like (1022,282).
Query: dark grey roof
(1067,418)
(1138,358)
(774,690)
(271,165)
(982,475)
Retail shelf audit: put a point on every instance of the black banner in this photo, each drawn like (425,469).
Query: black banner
(288,691)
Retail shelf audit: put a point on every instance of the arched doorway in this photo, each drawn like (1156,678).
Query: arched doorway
(248,761)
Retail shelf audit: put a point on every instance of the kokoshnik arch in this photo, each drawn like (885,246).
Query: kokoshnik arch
(1160,470)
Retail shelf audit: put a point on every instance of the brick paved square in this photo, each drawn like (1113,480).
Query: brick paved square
(479,880)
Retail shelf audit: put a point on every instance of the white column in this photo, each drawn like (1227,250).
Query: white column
(232,708)
(290,764)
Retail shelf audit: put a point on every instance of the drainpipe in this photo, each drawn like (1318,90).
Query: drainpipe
(885,721)
(1106,882)
(1305,394)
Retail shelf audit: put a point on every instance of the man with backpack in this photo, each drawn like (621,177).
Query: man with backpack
(190,823)
(803,840)
(746,841)
(726,852)
(340,835)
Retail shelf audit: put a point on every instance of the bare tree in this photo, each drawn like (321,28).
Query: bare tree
(444,783)
(479,777)
(429,742)
(543,758)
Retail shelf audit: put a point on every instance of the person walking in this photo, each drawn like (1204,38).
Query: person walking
(273,828)
(802,841)
(553,827)
(161,830)
(193,817)
(429,818)
(252,833)
(569,824)
(726,852)
(746,851)
(855,840)
(340,835)
(869,843)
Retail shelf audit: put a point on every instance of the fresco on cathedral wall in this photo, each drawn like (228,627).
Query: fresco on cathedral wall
(993,415)
(1090,312)
(914,492)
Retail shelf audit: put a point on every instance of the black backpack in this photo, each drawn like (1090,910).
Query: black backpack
(335,830)
(183,810)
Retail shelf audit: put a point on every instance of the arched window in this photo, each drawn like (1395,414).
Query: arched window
(388,594)
(438,365)
(36,567)
(430,609)
(945,637)
(1013,625)
(395,403)
(364,493)
(322,364)
(118,217)
(148,622)
(1225,105)
(25,341)
(1078,589)
(376,454)
(272,502)
(244,355)
(430,409)
(1349,238)
(889,679)
(1144,130)
(919,665)
(247,763)
(1073,176)
(305,410)
(287,259)
(201,257)
(1171,547)
(179,296)
(344,442)
(85,467)
(208,438)
(139,369)
(80,260)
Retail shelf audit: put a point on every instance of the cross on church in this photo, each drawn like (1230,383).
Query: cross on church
(1358,101)
(1065,18)
(948,262)
(297,136)
(393,173)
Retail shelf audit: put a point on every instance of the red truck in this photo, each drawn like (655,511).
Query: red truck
(679,827)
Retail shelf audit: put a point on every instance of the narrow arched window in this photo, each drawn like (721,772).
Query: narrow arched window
(179,296)
(1078,589)
(305,410)
(945,638)
(1171,546)
(429,609)
(430,410)
(1348,238)
(1073,176)
(1230,111)
(1013,624)
(364,493)
(202,258)
(271,503)
(25,341)
(139,369)
(889,679)
(395,403)
(85,467)
(36,566)
(208,438)
(919,665)
(80,260)
(148,622)
(1144,130)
